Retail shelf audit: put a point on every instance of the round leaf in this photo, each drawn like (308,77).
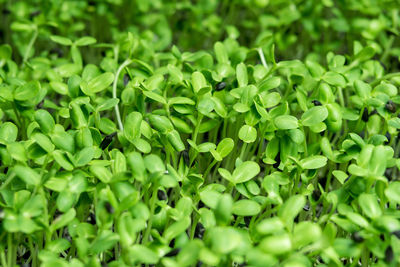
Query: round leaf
(286,122)
(246,207)
(313,162)
(248,134)
(246,171)
(314,116)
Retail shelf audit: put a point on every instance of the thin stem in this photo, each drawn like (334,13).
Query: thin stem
(239,218)
(9,179)
(196,130)
(207,171)
(117,114)
(33,251)
(20,121)
(3,258)
(9,249)
(386,77)
(243,151)
(261,54)
(30,45)
(152,208)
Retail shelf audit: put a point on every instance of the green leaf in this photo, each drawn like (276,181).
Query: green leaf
(78,184)
(175,140)
(136,163)
(57,246)
(99,83)
(247,134)
(210,198)
(297,136)
(362,89)
(68,70)
(305,233)
(102,173)
(270,226)
(161,123)
(61,40)
(154,163)
(386,88)
(28,175)
(188,256)
(142,145)
(104,241)
(246,207)
(369,205)
(181,100)
(206,106)
(56,184)
(394,122)
(340,176)
(176,228)
(313,162)
(224,239)
(62,160)
(84,41)
(269,83)
(43,141)
(377,164)
(276,244)
(393,192)
(62,220)
(65,200)
(269,100)
(357,170)
(334,78)
(59,87)
(155,97)
(225,147)
(107,104)
(17,151)
(357,219)
(27,91)
(286,122)
(365,54)
(84,156)
(223,209)
(8,132)
(45,120)
(241,74)
(246,171)
(143,254)
(206,147)
(132,126)
(221,53)
(18,223)
(314,116)
(291,208)
(63,141)
(198,81)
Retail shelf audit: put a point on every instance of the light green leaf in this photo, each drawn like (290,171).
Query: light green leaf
(246,207)
(246,171)
(248,134)
(314,116)
(313,162)
(286,122)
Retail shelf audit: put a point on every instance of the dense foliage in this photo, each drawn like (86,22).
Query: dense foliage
(214,133)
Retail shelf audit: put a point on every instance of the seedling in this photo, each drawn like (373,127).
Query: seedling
(232,133)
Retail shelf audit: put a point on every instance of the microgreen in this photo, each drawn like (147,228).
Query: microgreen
(199,133)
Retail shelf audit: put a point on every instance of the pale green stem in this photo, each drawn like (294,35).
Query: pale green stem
(386,77)
(261,54)
(30,45)
(117,114)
